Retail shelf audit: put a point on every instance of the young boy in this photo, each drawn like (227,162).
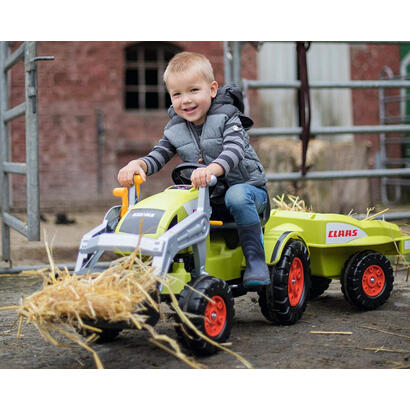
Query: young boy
(206,128)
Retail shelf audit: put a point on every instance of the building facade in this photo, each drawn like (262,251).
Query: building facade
(102,104)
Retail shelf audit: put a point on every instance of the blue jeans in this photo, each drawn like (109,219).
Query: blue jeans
(245,202)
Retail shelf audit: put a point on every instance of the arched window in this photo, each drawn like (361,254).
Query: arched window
(144,67)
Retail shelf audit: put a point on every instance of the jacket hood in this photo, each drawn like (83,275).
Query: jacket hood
(232,94)
(227,94)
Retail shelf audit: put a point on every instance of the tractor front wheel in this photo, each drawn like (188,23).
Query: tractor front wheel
(284,300)
(106,335)
(367,280)
(212,303)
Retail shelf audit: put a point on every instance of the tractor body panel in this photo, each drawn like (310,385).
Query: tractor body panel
(154,215)
(222,262)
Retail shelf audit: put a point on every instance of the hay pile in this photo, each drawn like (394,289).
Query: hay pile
(68,305)
(294,203)
(117,294)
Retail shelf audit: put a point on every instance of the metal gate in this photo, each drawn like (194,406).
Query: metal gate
(232,60)
(31,229)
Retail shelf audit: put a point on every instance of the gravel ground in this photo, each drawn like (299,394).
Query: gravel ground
(380,339)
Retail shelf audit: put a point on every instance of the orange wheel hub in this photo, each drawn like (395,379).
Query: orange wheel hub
(296,281)
(215,316)
(373,280)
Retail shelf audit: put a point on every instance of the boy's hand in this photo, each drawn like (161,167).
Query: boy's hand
(126,174)
(201,176)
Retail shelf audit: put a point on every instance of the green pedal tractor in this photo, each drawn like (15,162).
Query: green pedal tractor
(304,252)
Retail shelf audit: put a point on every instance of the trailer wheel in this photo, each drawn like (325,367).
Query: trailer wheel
(214,314)
(367,280)
(318,286)
(284,300)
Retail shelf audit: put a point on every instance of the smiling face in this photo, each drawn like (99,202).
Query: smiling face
(191,95)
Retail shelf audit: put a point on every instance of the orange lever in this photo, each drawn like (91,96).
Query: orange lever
(217,223)
(123,194)
(138,181)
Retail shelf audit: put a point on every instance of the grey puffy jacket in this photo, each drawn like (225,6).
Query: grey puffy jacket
(224,140)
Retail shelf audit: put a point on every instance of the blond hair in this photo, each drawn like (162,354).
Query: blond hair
(189,61)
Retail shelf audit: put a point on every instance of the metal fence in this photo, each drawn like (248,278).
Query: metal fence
(27,52)
(392,189)
(232,60)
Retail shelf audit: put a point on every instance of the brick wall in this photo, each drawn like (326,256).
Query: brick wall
(367,62)
(83,78)
(89,76)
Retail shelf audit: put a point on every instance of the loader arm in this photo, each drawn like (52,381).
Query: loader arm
(191,231)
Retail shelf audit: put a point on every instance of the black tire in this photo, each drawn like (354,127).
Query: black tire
(318,285)
(222,314)
(367,280)
(278,302)
(151,313)
(106,336)
(346,268)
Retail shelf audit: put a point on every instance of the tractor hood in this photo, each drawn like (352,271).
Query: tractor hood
(155,215)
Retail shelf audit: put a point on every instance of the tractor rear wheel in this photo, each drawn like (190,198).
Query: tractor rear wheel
(367,280)
(284,300)
(212,301)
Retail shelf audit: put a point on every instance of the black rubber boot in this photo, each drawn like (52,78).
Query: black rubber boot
(256,272)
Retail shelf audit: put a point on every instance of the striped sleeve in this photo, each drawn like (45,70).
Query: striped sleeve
(233,145)
(159,156)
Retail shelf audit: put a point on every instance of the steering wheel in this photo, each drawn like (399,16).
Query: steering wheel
(181,174)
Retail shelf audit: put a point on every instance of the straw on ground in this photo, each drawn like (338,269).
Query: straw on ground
(69,304)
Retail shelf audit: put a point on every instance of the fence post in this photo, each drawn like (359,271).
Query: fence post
(32,180)
(4,152)
(31,229)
